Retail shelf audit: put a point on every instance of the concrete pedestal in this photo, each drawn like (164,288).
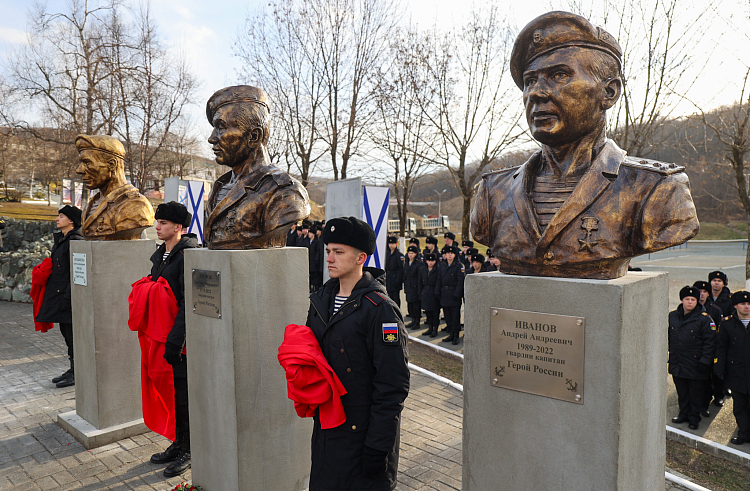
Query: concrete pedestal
(615,440)
(245,434)
(107,353)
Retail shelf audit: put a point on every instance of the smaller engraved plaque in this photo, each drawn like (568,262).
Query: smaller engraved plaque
(79,269)
(207,293)
(540,354)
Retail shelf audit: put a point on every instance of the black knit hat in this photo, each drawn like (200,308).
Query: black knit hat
(412,249)
(467,243)
(702,285)
(690,291)
(392,239)
(740,297)
(73,213)
(431,240)
(174,212)
(718,274)
(352,232)
(450,235)
(430,256)
(478,258)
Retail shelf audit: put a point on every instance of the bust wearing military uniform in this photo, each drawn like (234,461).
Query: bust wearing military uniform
(253,205)
(118,211)
(579,207)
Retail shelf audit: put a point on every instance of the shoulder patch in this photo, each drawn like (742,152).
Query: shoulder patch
(390,332)
(662,168)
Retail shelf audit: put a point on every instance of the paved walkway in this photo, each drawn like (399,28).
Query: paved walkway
(36,454)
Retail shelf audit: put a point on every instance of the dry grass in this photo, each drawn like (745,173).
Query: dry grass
(23,211)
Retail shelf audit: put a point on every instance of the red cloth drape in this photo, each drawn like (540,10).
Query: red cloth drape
(153,309)
(311,382)
(39,277)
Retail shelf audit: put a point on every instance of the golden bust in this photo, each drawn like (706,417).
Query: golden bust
(118,211)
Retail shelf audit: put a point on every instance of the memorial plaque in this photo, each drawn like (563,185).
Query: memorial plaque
(207,293)
(537,353)
(79,269)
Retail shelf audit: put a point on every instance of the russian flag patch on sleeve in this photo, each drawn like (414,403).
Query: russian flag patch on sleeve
(390,332)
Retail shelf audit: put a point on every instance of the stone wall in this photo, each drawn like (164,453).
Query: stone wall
(16,267)
(20,233)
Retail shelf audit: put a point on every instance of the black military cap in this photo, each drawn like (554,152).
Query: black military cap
(352,232)
(489,253)
(306,224)
(690,291)
(702,285)
(450,248)
(73,213)
(431,240)
(740,297)
(555,30)
(174,212)
(413,249)
(450,235)
(477,258)
(467,243)
(314,229)
(471,251)
(414,240)
(718,274)
(430,256)
(392,240)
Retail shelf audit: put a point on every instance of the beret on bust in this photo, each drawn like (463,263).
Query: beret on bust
(740,297)
(689,291)
(103,143)
(555,30)
(236,94)
(352,232)
(174,212)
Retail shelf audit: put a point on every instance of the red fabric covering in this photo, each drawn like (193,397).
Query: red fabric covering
(311,382)
(153,309)
(39,277)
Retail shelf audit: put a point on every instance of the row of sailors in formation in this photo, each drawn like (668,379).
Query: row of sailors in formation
(433,279)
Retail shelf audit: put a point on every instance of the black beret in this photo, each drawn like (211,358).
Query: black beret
(233,95)
(702,285)
(73,213)
(450,248)
(555,30)
(718,274)
(174,212)
(430,256)
(478,258)
(467,243)
(413,249)
(740,297)
(689,291)
(392,239)
(450,235)
(352,232)
(414,240)
(431,240)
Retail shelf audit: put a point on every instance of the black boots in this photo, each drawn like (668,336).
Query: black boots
(68,379)
(61,377)
(453,338)
(182,462)
(169,455)
(414,324)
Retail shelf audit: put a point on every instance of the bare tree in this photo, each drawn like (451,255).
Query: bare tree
(472,105)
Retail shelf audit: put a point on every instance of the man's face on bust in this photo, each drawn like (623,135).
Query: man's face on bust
(229,143)
(93,169)
(563,100)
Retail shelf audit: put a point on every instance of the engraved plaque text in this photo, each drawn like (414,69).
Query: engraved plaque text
(207,293)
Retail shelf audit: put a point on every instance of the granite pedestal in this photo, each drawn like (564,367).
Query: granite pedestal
(615,440)
(107,353)
(245,434)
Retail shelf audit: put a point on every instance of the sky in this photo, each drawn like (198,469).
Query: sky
(204,32)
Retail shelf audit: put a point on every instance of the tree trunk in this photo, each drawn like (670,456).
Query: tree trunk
(465,217)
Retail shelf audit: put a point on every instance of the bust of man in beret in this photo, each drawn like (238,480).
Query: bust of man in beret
(118,211)
(579,207)
(254,204)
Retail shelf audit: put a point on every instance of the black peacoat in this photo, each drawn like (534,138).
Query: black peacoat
(692,343)
(394,270)
(733,355)
(450,283)
(411,279)
(373,366)
(56,303)
(428,286)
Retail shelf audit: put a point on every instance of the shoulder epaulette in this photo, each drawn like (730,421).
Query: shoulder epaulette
(728,317)
(374,297)
(282,179)
(704,314)
(500,171)
(662,168)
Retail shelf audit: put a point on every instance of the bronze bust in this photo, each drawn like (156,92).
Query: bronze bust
(118,211)
(254,204)
(579,207)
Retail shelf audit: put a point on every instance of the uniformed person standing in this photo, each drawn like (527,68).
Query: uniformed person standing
(692,344)
(412,265)
(465,256)
(714,385)
(362,336)
(315,258)
(720,295)
(733,362)
(450,286)
(56,305)
(450,240)
(415,242)
(431,247)
(428,294)
(394,270)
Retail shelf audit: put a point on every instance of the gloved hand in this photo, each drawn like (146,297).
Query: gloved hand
(172,353)
(374,462)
